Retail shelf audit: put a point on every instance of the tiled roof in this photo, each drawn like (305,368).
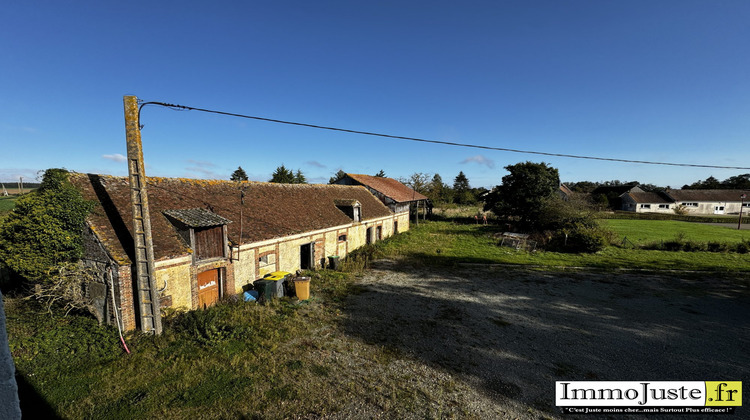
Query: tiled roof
(389,187)
(617,189)
(649,197)
(565,190)
(707,195)
(197,217)
(270,210)
(342,202)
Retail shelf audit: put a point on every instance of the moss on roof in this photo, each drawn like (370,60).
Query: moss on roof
(269,211)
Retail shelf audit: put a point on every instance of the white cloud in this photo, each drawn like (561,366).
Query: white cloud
(115,157)
(12,174)
(480,160)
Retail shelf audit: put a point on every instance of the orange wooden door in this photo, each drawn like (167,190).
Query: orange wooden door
(208,288)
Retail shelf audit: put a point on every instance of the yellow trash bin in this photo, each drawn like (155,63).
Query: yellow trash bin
(302,287)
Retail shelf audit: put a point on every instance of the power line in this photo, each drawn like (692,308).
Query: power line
(448,143)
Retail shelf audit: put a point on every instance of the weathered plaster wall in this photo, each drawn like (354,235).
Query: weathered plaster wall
(708,208)
(179,275)
(244,269)
(176,277)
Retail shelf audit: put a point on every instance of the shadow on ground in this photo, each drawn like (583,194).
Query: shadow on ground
(513,333)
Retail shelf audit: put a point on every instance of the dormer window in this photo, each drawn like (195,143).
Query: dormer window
(204,231)
(351,208)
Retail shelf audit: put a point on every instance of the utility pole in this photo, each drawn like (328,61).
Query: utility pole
(20,185)
(148,296)
(742,205)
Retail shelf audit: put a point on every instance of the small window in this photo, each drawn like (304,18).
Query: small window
(745,204)
(342,238)
(690,204)
(266,259)
(645,206)
(663,206)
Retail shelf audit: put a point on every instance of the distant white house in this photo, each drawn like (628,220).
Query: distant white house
(693,201)
(710,201)
(647,202)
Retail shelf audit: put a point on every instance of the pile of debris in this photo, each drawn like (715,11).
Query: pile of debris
(515,240)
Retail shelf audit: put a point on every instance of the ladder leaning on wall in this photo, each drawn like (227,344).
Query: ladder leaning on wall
(148,297)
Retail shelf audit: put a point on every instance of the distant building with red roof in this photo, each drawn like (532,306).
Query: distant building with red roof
(397,196)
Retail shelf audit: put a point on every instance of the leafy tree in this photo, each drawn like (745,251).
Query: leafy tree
(418,182)
(523,192)
(436,190)
(44,231)
(582,186)
(282,175)
(238,175)
(709,183)
(380,174)
(600,201)
(651,187)
(738,182)
(337,177)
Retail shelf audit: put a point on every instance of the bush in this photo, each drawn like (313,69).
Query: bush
(679,243)
(571,227)
(44,230)
(580,238)
(718,247)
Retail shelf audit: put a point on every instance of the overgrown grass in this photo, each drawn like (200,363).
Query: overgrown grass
(234,360)
(450,243)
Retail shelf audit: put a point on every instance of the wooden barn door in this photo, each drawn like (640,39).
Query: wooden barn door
(208,288)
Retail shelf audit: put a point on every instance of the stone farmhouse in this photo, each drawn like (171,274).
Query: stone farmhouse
(213,238)
(705,202)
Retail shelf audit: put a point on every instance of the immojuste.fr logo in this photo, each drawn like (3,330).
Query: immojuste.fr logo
(583,397)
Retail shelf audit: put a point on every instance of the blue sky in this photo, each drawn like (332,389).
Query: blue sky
(642,80)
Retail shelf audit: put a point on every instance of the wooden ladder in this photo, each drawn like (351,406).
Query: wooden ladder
(148,297)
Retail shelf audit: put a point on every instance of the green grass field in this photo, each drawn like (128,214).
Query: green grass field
(7,204)
(450,243)
(645,231)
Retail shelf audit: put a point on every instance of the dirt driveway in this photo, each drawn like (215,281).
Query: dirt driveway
(509,334)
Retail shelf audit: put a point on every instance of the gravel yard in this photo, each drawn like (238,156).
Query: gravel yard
(506,335)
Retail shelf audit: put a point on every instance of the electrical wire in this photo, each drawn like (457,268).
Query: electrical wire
(416,139)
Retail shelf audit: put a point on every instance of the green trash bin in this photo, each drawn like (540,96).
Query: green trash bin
(333,262)
(265,288)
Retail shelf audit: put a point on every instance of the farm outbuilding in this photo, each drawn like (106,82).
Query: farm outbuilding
(710,201)
(647,202)
(697,202)
(397,196)
(212,238)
